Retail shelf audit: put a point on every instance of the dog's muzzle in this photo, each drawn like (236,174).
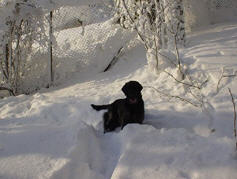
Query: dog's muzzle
(132,100)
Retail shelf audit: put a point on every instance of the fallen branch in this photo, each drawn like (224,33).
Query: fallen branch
(114,60)
(235,133)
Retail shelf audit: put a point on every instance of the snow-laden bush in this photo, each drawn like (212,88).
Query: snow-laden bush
(25,40)
(22,26)
(159,25)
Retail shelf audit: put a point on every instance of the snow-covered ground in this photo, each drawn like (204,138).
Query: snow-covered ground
(55,134)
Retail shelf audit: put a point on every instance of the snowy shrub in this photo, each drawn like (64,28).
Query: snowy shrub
(25,40)
(159,24)
(22,26)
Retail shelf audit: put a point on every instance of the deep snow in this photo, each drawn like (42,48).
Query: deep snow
(55,134)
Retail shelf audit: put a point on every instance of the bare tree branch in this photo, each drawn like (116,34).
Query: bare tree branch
(233,102)
(174,96)
(135,27)
(187,84)
(224,76)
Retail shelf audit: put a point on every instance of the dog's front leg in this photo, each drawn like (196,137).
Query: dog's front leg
(107,120)
(139,118)
(124,119)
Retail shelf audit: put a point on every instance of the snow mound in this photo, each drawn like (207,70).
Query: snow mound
(176,153)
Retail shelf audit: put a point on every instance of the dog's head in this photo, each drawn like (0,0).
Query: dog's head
(132,91)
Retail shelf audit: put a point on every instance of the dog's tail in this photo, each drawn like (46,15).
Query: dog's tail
(100,107)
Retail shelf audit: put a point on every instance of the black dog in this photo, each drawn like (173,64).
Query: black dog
(124,111)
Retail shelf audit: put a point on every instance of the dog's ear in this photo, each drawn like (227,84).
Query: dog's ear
(139,86)
(125,88)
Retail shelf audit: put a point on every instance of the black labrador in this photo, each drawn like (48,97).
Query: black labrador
(124,111)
